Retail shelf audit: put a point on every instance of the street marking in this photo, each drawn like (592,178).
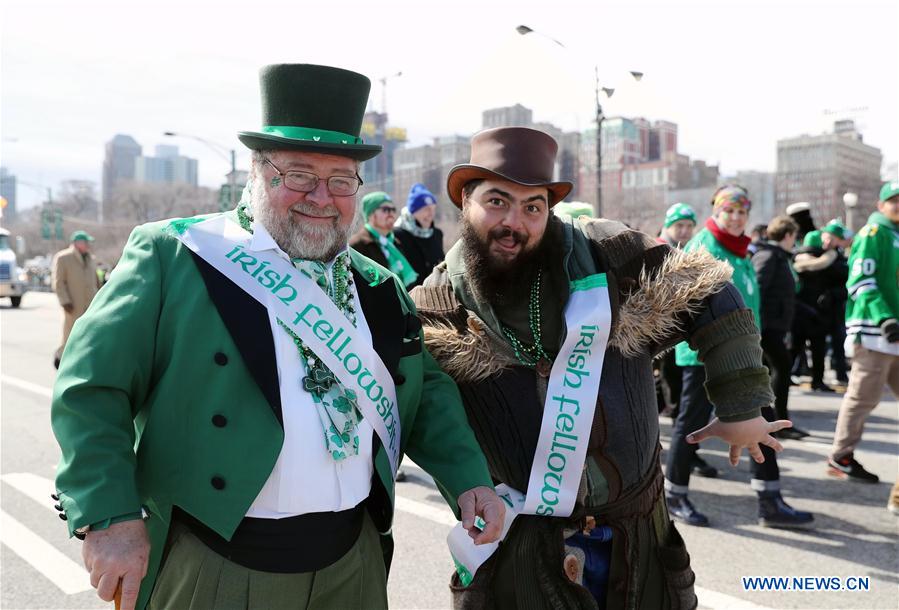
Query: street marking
(27,386)
(707,598)
(67,575)
(35,487)
(443,516)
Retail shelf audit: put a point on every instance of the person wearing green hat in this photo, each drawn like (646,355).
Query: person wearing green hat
(376,239)
(75,282)
(872,325)
(680,222)
(821,302)
(233,407)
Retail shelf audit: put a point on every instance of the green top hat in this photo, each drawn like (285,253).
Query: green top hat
(313,109)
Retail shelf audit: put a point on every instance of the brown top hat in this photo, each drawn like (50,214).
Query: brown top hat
(521,155)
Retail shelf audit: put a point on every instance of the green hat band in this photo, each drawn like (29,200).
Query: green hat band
(310,134)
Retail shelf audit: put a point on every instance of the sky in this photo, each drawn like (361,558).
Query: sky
(735,75)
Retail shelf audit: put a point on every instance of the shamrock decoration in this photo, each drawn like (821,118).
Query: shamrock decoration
(318,381)
(342,404)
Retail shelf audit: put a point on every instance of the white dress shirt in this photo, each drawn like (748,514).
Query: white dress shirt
(306,479)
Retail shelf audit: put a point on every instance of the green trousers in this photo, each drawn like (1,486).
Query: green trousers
(194,577)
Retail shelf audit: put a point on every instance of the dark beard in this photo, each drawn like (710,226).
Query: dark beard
(501,283)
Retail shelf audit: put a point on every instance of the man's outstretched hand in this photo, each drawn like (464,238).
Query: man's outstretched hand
(118,554)
(484,503)
(749,434)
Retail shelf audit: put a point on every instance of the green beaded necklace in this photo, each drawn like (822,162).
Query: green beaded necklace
(532,355)
(319,377)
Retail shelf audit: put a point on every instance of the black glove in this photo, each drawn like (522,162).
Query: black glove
(890,330)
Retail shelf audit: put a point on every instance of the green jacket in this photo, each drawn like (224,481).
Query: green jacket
(743,278)
(168,344)
(873,282)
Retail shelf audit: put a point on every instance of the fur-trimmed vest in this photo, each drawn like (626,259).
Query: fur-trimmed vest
(655,291)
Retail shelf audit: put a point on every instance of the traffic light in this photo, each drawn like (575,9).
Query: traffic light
(45,224)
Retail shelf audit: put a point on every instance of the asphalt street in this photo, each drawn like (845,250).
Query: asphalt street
(854,535)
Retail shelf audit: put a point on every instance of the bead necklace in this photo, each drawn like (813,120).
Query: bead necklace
(532,355)
(319,377)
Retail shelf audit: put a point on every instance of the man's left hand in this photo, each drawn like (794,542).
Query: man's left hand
(750,434)
(484,503)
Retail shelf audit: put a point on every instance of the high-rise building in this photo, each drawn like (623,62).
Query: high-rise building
(377,173)
(118,165)
(430,165)
(507,116)
(168,166)
(642,171)
(761,187)
(8,192)
(821,169)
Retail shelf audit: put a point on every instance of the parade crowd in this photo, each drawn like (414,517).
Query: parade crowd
(233,405)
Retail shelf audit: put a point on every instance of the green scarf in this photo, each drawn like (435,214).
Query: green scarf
(396,262)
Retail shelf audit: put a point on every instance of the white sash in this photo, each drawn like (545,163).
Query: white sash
(299,303)
(567,421)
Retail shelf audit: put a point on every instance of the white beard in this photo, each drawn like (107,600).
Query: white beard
(302,240)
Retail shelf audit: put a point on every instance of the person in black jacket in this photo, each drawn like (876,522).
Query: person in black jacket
(823,272)
(778,292)
(419,240)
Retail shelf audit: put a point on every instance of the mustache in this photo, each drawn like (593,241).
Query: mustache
(503,232)
(308,209)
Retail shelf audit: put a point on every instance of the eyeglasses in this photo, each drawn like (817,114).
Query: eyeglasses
(306,182)
(387,209)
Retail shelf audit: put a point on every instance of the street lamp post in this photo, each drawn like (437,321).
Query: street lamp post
(600,116)
(850,200)
(220,149)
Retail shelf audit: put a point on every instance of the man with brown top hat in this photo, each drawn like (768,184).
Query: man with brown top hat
(549,325)
(236,402)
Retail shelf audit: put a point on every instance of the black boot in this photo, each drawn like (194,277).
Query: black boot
(703,468)
(774,512)
(680,507)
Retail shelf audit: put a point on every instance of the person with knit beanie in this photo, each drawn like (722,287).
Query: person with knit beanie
(417,237)
(680,222)
(376,239)
(724,237)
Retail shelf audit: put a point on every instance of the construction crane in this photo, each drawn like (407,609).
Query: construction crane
(383,80)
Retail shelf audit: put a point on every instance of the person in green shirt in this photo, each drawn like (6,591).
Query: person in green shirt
(723,236)
(872,334)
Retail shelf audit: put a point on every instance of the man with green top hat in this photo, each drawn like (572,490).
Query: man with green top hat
(75,283)
(872,326)
(549,325)
(376,239)
(233,407)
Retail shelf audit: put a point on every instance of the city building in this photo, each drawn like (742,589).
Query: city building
(8,192)
(168,166)
(119,162)
(507,116)
(430,165)
(642,171)
(377,173)
(821,169)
